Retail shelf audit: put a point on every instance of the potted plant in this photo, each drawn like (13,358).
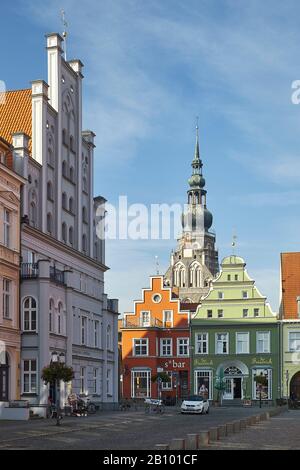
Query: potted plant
(54,374)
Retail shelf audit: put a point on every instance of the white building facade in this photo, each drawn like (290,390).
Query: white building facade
(64,309)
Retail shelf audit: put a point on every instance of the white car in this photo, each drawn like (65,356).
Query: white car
(195,404)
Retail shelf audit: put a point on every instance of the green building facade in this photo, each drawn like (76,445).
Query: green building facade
(235,339)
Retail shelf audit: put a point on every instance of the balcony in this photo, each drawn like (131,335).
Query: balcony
(57,276)
(29,271)
(138,323)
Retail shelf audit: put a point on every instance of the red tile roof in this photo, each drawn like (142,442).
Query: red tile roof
(290,274)
(16,114)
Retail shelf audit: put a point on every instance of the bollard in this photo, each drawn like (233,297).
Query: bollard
(236,426)
(229,428)
(243,423)
(253,420)
(177,444)
(213,434)
(162,447)
(222,432)
(263,417)
(203,439)
(191,442)
(257,419)
(249,421)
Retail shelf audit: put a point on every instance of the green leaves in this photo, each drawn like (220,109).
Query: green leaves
(57,371)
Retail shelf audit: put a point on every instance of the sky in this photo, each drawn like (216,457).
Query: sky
(151,67)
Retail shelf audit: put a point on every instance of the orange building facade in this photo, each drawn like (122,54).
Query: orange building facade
(155,340)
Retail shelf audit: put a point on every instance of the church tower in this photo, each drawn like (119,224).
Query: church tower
(194,263)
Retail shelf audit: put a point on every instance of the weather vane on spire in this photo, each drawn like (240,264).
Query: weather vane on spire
(65,32)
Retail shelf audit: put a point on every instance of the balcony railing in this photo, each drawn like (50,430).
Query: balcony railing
(57,276)
(138,323)
(29,270)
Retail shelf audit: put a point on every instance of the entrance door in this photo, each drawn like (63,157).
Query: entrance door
(237,388)
(228,392)
(4,377)
(184,384)
(295,386)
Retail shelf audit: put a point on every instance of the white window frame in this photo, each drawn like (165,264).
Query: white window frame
(30,310)
(168,385)
(7,299)
(172,318)
(169,346)
(201,342)
(147,373)
(109,338)
(219,313)
(95,381)
(208,373)
(217,341)
(270,382)
(135,345)
(269,342)
(221,295)
(83,330)
(244,314)
(179,340)
(109,387)
(96,333)
(248,342)
(289,341)
(7,228)
(82,380)
(30,374)
(246,296)
(146,324)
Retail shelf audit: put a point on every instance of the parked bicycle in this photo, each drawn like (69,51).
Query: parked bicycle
(154,406)
(81,406)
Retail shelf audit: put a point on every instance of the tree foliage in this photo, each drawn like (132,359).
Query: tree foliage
(161,376)
(57,371)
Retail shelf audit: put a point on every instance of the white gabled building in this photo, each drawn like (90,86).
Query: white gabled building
(64,309)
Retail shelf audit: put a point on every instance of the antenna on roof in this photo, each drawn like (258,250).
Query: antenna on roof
(65,32)
(157,265)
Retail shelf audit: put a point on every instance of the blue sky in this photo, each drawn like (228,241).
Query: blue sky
(152,66)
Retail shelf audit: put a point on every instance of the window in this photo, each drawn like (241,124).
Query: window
(72,174)
(71,205)
(7,298)
(60,319)
(95,381)
(156,298)
(236,277)
(182,346)
(84,215)
(242,343)
(71,235)
(33,214)
(140,384)
(262,390)
(220,295)
(245,294)
(82,380)
(108,338)
(245,313)
(168,318)
(167,385)
(220,313)
(30,315)
(263,342)
(50,191)
(140,347)
(64,201)
(30,376)
(96,334)
(83,330)
(256,312)
(72,143)
(7,229)
(85,185)
(84,243)
(65,169)
(109,382)
(64,232)
(49,223)
(145,319)
(203,383)
(64,132)
(209,313)
(201,340)
(51,315)
(294,341)
(166,347)
(228,277)
(222,343)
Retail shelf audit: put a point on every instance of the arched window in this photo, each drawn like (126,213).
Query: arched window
(195,275)
(29,315)
(60,316)
(64,137)
(71,205)
(50,157)
(72,174)
(64,232)
(50,191)
(64,201)
(71,236)
(84,215)
(108,338)
(72,143)
(51,315)
(85,185)
(179,276)
(49,223)
(33,214)
(65,169)
(84,244)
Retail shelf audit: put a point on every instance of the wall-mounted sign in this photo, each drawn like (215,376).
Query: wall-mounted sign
(172,364)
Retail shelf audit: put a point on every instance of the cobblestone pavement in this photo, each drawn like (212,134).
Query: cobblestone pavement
(280,433)
(113,431)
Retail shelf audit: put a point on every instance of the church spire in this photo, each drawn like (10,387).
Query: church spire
(197,151)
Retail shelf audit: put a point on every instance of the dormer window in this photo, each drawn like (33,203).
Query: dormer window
(220,295)
(245,294)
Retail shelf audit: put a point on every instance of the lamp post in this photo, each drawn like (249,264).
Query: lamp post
(57,358)
(287,378)
(191,349)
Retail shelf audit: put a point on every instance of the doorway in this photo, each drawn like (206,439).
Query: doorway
(233,388)
(295,386)
(4,381)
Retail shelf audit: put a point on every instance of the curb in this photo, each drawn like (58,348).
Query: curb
(204,438)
